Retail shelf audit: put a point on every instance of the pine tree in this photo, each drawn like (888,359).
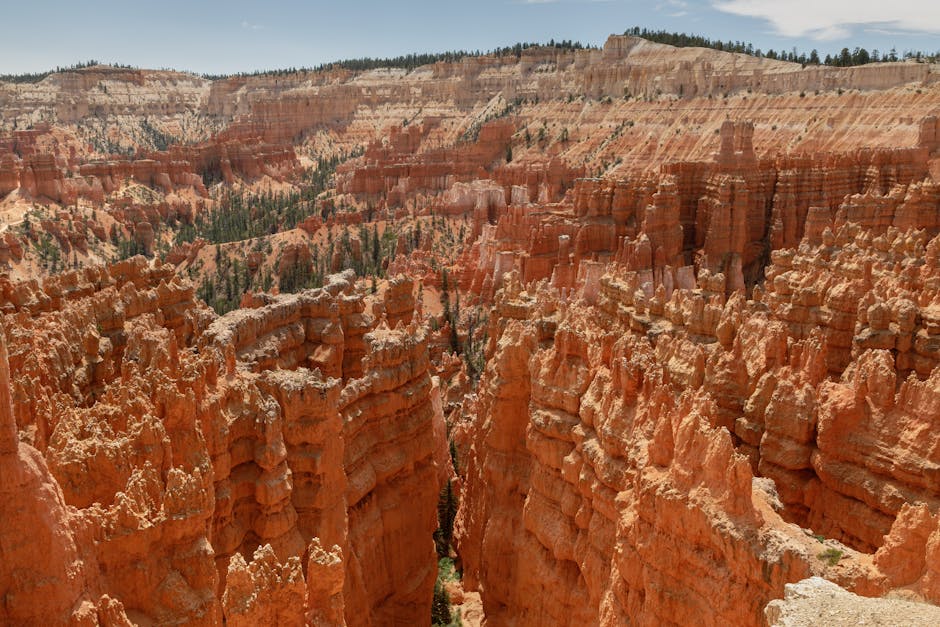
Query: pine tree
(446,513)
(453,456)
(376,248)
(440,605)
(455,318)
(845,58)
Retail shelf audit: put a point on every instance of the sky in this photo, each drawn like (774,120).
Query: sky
(216,37)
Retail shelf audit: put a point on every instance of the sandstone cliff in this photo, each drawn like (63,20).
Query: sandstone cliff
(613,450)
(183,467)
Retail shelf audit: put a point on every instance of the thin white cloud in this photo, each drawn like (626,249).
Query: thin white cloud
(673,8)
(249,26)
(887,31)
(834,19)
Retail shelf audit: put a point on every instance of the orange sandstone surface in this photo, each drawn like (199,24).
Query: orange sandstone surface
(173,466)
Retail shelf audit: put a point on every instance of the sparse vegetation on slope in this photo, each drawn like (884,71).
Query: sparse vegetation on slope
(35,77)
(844,58)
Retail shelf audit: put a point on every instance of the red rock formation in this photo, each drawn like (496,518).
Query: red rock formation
(395,171)
(170,445)
(399,301)
(45,174)
(641,434)
(36,522)
(598,522)
(725,215)
(392,486)
(264,592)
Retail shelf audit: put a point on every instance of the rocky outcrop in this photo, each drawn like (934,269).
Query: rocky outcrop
(600,468)
(37,522)
(393,172)
(640,444)
(392,482)
(264,592)
(286,104)
(186,466)
(727,215)
(719,347)
(816,600)
(398,301)
(180,167)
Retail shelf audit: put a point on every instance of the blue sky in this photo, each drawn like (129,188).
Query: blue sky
(238,35)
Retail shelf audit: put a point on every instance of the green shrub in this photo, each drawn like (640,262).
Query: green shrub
(831,556)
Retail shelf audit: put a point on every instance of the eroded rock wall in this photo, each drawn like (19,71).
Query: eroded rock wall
(671,454)
(185,468)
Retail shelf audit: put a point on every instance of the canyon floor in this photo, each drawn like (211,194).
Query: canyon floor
(637,335)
